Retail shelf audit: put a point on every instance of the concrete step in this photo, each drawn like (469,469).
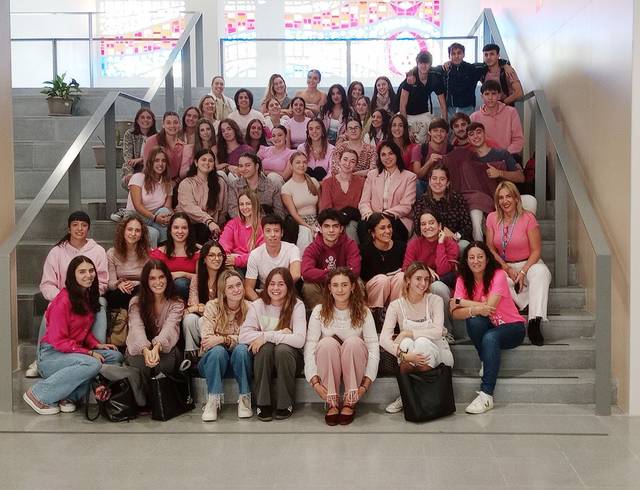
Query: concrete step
(28,183)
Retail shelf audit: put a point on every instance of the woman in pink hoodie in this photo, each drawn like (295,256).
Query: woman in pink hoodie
(69,355)
(244,232)
(54,272)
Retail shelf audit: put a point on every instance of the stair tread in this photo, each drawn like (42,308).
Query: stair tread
(560,345)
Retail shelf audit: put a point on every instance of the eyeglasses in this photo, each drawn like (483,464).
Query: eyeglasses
(353,128)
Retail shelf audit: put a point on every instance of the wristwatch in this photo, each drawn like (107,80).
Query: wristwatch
(458,301)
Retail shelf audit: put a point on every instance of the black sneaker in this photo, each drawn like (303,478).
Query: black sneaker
(284,413)
(534,331)
(265,413)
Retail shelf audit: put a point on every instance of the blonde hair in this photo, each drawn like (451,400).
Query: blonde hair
(408,274)
(270,93)
(310,185)
(256,212)
(221,315)
(513,190)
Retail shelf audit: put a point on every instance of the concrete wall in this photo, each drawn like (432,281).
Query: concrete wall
(580,52)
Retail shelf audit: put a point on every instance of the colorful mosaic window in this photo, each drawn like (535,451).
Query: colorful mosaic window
(139,34)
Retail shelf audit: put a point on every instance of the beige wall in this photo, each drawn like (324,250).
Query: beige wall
(579,52)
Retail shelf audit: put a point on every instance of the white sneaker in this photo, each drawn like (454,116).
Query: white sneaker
(481,404)
(210,409)
(32,370)
(67,406)
(395,406)
(244,407)
(118,215)
(481,372)
(38,406)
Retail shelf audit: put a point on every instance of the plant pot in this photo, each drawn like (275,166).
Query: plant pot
(59,106)
(100,154)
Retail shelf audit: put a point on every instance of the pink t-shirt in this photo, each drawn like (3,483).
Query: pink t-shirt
(297,131)
(518,247)
(325,163)
(150,200)
(274,160)
(506,311)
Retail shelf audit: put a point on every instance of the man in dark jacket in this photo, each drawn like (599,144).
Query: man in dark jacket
(330,249)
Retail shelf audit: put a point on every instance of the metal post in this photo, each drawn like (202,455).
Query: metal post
(111,188)
(199,53)
(75,185)
(6,328)
(185,56)
(348,63)
(91,50)
(486,30)
(54,57)
(169,99)
(603,335)
(561,221)
(541,162)
(222,57)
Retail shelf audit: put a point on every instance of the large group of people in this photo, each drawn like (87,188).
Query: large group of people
(311,234)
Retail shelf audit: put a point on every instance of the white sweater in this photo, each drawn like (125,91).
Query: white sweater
(342,328)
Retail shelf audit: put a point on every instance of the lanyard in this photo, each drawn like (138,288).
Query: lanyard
(507,233)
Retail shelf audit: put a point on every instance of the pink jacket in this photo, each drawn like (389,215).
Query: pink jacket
(503,127)
(180,158)
(67,331)
(55,267)
(167,327)
(402,195)
(235,240)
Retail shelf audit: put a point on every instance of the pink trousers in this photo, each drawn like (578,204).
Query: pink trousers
(383,289)
(347,361)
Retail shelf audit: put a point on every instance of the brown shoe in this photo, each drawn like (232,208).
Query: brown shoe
(332,419)
(344,418)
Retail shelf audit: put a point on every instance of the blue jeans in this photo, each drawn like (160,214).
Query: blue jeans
(157,232)
(218,363)
(488,341)
(67,376)
(468,110)
(181,287)
(98,329)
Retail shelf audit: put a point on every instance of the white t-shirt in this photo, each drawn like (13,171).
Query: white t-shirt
(150,200)
(261,263)
(243,121)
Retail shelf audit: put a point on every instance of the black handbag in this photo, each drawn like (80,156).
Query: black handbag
(427,395)
(171,394)
(115,400)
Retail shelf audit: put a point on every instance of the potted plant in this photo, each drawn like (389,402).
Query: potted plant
(61,95)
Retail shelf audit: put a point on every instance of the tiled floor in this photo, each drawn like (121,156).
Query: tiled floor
(514,446)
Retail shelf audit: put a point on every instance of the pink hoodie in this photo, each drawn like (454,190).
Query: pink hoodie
(503,127)
(55,267)
(235,240)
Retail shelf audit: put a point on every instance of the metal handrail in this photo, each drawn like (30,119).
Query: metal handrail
(70,164)
(568,179)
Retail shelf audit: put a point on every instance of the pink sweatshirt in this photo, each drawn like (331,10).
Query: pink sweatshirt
(55,267)
(235,240)
(166,328)
(440,257)
(503,127)
(262,320)
(67,331)
(124,270)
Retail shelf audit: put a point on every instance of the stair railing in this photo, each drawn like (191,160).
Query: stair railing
(567,179)
(70,164)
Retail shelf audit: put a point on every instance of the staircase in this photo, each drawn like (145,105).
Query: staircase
(562,371)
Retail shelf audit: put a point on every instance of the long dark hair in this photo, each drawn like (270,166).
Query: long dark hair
(247,136)
(396,151)
(223,152)
(119,243)
(198,144)
(202,273)
(82,300)
(352,85)
(162,136)
(392,95)
(327,108)
(323,138)
(146,300)
(286,312)
(386,119)
(147,170)
(136,126)
(487,276)
(190,246)
(213,180)
(406,140)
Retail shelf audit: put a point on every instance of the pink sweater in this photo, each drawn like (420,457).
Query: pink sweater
(193,193)
(262,320)
(235,240)
(440,257)
(67,331)
(124,270)
(54,271)
(166,328)
(180,157)
(503,127)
